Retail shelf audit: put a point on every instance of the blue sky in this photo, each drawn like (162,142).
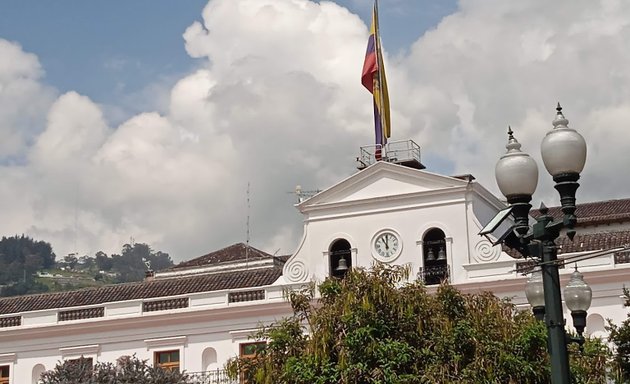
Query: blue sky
(149,118)
(110,50)
(103,49)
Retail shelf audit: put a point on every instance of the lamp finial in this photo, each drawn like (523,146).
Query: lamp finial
(560,120)
(543,208)
(513,145)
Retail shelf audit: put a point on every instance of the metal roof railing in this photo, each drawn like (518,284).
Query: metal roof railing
(403,152)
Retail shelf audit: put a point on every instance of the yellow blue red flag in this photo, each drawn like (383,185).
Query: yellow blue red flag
(373,78)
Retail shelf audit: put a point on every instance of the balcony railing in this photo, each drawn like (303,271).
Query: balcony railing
(218,376)
(433,274)
(622,257)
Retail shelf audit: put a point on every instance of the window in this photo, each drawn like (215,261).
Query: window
(249,351)
(168,360)
(86,362)
(4,374)
(435,268)
(340,258)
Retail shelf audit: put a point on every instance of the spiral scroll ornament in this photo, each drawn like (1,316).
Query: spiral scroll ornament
(296,271)
(485,251)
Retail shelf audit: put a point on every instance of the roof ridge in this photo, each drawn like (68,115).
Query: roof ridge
(141,290)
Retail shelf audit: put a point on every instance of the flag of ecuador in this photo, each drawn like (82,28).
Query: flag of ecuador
(373,78)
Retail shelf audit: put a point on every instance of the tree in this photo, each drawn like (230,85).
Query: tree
(21,255)
(620,337)
(130,263)
(86,263)
(103,262)
(20,258)
(71,260)
(371,327)
(127,370)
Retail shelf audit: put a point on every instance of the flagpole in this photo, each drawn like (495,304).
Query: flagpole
(380,64)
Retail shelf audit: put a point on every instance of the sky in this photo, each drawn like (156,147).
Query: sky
(151,120)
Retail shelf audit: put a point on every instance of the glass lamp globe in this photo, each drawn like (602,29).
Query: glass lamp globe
(578,294)
(516,172)
(534,290)
(563,149)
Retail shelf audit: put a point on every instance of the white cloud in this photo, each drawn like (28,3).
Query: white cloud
(495,63)
(75,130)
(266,110)
(278,102)
(23,99)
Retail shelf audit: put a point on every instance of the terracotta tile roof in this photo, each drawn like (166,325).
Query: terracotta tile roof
(141,290)
(584,242)
(283,258)
(594,241)
(231,254)
(599,212)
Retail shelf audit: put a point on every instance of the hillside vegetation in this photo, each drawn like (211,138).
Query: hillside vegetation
(30,266)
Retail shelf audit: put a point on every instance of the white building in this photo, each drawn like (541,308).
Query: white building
(201,312)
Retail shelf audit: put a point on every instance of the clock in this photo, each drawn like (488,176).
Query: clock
(386,246)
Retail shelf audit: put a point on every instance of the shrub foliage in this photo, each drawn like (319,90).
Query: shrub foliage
(126,370)
(373,327)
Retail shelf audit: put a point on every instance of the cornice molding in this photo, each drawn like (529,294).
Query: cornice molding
(82,350)
(6,358)
(165,342)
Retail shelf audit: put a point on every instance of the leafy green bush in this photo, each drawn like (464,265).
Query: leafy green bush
(375,327)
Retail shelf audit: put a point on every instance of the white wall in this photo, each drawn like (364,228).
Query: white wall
(105,341)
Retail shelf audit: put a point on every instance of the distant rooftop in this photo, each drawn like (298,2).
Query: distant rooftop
(599,212)
(238,252)
(585,242)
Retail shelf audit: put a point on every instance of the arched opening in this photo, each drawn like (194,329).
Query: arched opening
(435,268)
(340,258)
(209,359)
(37,372)
(595,325)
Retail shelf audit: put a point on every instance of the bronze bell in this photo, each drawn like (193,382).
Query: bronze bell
(441,254)
(342,266)
(430,255)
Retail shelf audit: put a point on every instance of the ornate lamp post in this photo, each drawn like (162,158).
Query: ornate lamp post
(578,296)
(564,154)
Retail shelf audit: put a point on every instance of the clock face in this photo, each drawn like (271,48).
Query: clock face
(386,245)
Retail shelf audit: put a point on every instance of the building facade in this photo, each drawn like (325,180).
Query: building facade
(197,315)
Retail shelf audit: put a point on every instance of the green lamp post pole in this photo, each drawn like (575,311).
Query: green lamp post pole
(554,318)
(564,154)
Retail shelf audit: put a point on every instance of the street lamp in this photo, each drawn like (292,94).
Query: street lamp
(535,294)
(578,296)
(564,155)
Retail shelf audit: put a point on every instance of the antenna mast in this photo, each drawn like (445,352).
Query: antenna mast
(76,216)
(247,225)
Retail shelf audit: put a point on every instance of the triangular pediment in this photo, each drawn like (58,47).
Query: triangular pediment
(382,180)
